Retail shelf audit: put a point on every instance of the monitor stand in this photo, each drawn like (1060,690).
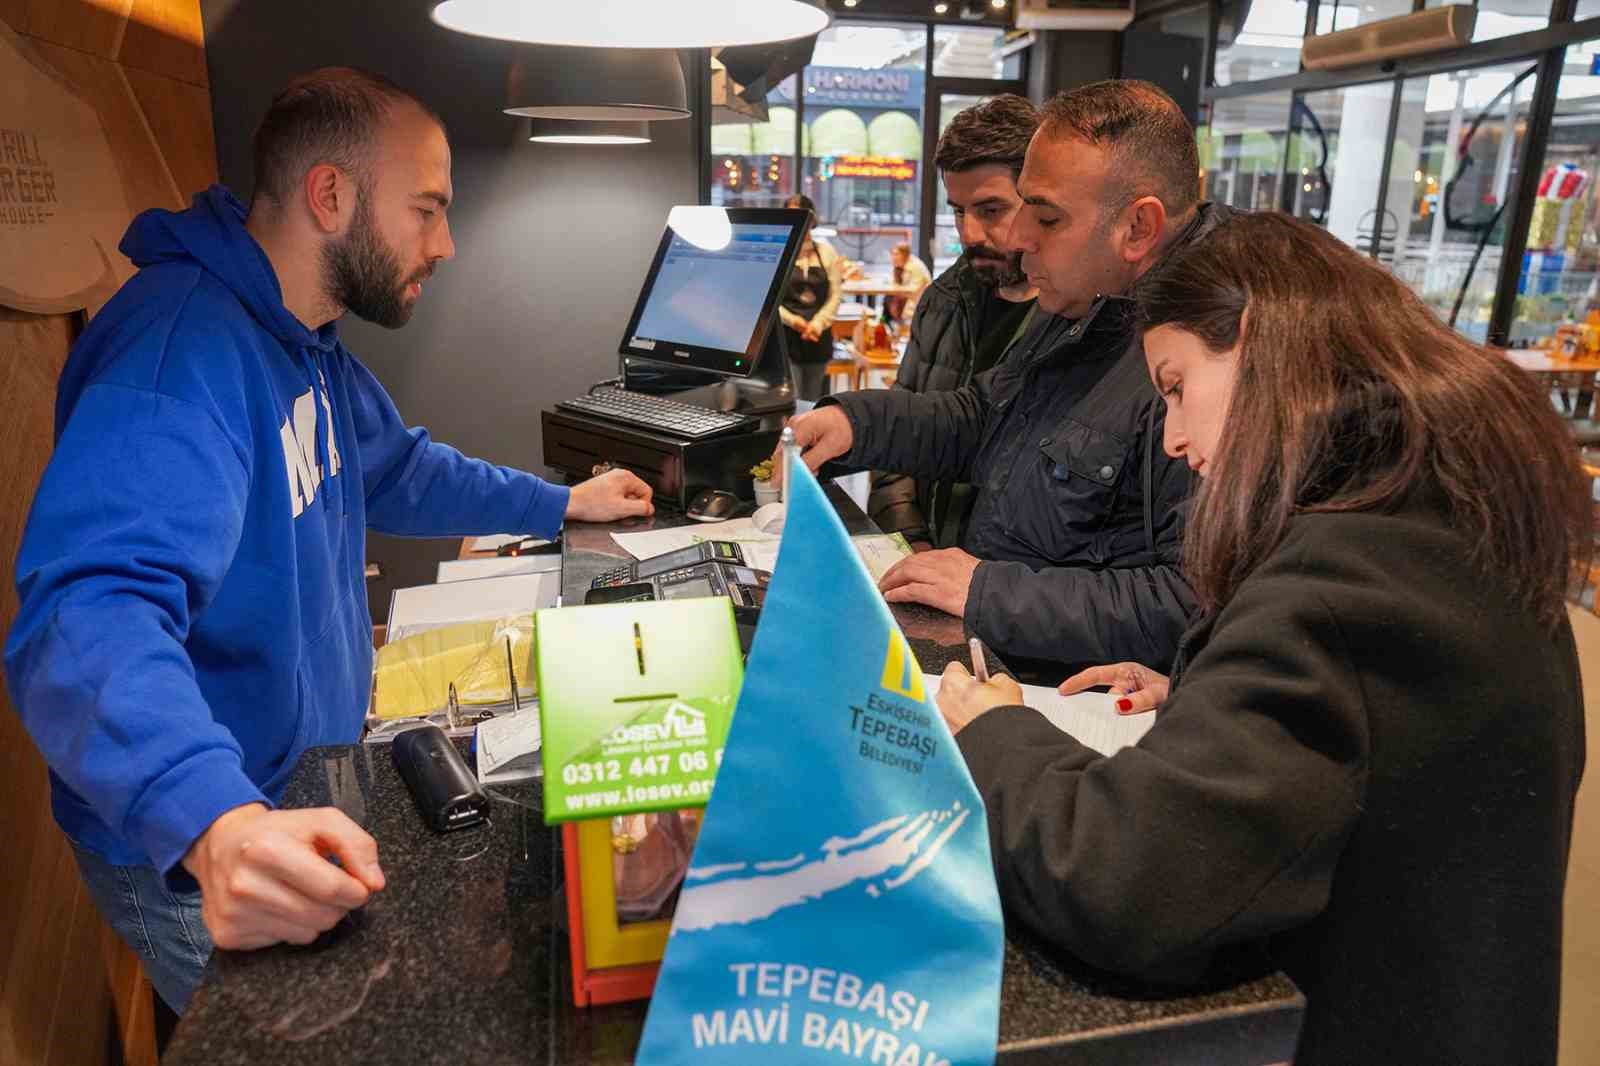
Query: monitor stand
(767,390)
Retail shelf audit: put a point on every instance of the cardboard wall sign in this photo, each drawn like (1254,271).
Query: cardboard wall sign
(635,701)
(61,204)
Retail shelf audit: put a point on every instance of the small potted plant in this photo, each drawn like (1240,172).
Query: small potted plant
(766,491)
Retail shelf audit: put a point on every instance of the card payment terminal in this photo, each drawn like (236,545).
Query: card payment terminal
(710,568)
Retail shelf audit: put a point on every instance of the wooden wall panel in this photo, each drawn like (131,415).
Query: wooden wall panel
(178,116)
(165,37)
(71,993)
(92,26)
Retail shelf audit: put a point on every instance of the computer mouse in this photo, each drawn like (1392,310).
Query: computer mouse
(712,505)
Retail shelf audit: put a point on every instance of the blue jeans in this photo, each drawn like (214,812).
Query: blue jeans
(163,926)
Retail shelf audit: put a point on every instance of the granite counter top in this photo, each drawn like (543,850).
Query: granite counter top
(463,958)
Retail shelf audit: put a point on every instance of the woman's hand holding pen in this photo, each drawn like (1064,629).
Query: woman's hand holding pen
(1137,688)
(962,697)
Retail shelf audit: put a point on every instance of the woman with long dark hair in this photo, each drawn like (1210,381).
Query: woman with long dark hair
(1367,756)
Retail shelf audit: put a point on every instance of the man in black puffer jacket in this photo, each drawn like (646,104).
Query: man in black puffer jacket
(968,317)
(1070,557)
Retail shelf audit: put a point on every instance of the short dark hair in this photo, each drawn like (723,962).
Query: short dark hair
(1142,129)
(332,115)
(995,131)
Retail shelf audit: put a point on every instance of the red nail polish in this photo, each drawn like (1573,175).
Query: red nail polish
(1124,706)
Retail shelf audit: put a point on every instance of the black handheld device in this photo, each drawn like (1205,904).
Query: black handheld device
(446,793)
(710,568)
(707,551)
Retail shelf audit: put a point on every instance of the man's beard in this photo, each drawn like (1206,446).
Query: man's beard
(996,277)
(363,273)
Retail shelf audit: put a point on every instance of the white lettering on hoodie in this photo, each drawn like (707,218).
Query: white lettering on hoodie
(299,436)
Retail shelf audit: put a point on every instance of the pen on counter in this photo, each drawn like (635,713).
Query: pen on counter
(511,672)
(980,665)
(638,647)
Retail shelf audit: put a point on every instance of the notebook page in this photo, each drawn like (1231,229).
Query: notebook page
(1090,718)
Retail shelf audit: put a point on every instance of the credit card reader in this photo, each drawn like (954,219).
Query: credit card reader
(710,568)
(707,551)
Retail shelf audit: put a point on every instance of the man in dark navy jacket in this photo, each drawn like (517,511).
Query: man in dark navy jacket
(1070,555)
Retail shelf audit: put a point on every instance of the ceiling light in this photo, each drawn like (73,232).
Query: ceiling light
(634,23)
(563,131)
(940,9)
(998,5)
(596,84)
(850,3)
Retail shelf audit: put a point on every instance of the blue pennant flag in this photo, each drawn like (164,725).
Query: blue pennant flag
(840,906)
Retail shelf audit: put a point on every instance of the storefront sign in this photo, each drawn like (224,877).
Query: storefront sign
(61,203)
(874,166)
(840,907)
(851,87)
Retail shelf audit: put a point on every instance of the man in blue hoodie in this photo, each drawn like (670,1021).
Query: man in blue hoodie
(193,603)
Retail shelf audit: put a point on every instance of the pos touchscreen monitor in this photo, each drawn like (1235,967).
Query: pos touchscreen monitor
(710,300)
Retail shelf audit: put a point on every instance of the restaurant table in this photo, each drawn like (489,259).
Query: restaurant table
(1572,372)
(869,289)
(462,958)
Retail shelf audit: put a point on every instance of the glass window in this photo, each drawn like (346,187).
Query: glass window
(1242,149)
(1456,155)
(1348,14)
(946,241)
(752,161)
(1336,159)
(1559,267)
(1506,18)
(1264,43)
(862,158)
(971,52)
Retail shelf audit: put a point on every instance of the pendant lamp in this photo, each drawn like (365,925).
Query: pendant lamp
(634,23)
(565,131)
(596,85)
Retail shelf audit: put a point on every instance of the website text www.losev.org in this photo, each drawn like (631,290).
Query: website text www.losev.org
(675,790)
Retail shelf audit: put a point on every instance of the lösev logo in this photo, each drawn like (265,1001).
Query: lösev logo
(680,722)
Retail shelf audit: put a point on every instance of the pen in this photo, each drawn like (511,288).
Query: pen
(980,666)
(511,672)
(638,647)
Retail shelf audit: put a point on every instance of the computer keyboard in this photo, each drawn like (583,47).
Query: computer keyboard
(655,412)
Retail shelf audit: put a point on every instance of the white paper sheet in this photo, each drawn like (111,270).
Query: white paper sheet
(425,607)
(879,551)
(508,746)
(497,566)
(495,541)
(1090,718)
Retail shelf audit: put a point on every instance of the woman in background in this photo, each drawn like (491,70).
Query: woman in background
(807,308)
(910,272)
(1368,753)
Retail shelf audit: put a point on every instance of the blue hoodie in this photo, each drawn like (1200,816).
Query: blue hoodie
(194,607)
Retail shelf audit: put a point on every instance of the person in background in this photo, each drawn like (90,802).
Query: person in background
(911,272)
(1367,755)
(964,321)
(808,305)
(193,605)
(1072,546)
